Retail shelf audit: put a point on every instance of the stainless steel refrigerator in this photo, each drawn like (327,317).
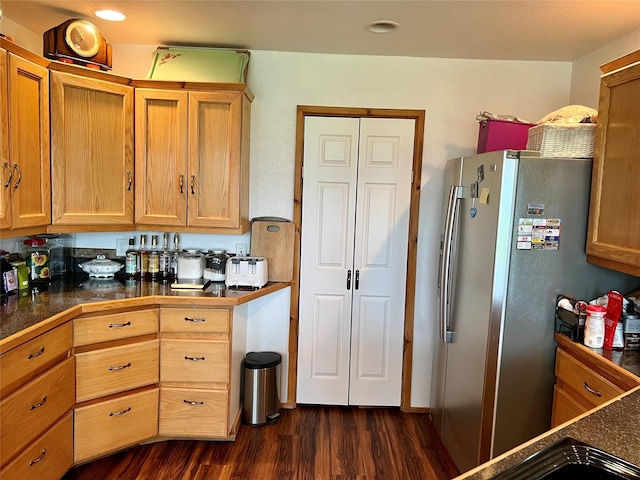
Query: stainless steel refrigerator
(514,238)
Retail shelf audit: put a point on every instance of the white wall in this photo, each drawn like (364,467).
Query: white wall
(585,77)
(451,92)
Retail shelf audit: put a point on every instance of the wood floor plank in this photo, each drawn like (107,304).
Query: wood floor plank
(308,443)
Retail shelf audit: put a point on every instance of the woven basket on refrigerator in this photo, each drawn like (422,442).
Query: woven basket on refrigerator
(564,141)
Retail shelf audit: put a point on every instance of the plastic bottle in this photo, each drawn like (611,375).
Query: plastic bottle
(131,259)
(594,326)
(143,257)
(153,272)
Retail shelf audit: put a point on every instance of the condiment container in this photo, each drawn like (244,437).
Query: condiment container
(190,264)
(216,263)
(594,326)
(37,260)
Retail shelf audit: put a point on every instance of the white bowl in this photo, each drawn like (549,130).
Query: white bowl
(101,267)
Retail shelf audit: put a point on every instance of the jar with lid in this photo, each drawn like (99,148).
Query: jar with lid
(190,264)
(594,326)
(37,260)
(216,265)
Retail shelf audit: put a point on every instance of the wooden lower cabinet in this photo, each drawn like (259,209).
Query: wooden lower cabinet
(31,410)
(584,381)
(194,361)
(47,458)
(116,369)
(111,425)
(193,412)
(28,360)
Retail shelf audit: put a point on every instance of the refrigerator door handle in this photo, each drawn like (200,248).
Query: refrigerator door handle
(455,193)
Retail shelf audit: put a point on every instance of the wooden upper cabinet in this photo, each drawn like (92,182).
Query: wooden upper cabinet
(192,159)
(161,157)
(24,143)
(92,152)
(613,239)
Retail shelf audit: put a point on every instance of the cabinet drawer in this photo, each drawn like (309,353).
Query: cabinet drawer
(193,412)
(197,361)
(565,408)
(48,458)
(104,427)
(116,369)
(32,409)
(195,320)
(28,360)
(591,387)
(103,328)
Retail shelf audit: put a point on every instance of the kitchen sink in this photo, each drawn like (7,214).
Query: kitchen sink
(569,458)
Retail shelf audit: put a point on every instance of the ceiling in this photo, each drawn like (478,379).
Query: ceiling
(554,30)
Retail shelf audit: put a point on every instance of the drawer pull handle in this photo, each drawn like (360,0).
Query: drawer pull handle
(121,412)
(591,390)
(39,459)
(38,405)
(119,367)
(37,354)
(188,402)
(194,359)
(119,325)
(195,320)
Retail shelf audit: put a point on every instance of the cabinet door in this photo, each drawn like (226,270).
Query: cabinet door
(92,148)
(161,157)
(5,177)
(614,216)
(28,127)
(217,160)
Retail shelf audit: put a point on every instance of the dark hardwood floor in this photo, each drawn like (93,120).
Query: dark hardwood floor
(323,443)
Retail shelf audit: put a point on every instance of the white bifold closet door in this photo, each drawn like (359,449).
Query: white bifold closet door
(356,195)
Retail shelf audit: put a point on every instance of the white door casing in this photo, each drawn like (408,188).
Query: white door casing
(356,197)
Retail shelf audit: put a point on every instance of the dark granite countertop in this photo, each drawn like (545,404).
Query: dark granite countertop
(614,428)
(27,309)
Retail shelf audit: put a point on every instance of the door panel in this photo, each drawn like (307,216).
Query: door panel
(331,148)
(352,328)
(380,260)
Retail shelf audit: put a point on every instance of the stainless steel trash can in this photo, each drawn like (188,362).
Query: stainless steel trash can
(261,402)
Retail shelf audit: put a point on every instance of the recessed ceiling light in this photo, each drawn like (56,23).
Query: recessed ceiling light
(111,15)
(382,26)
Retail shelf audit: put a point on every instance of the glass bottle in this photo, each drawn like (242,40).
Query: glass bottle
(143,257)
(174,256)
(154,260)
(165,259)
(131,259)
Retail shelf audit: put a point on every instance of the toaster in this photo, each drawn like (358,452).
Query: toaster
(246,272)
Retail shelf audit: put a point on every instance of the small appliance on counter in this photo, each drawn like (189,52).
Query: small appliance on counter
(247,272)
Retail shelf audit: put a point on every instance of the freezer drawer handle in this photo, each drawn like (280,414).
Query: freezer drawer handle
(591,390)
(40,458)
